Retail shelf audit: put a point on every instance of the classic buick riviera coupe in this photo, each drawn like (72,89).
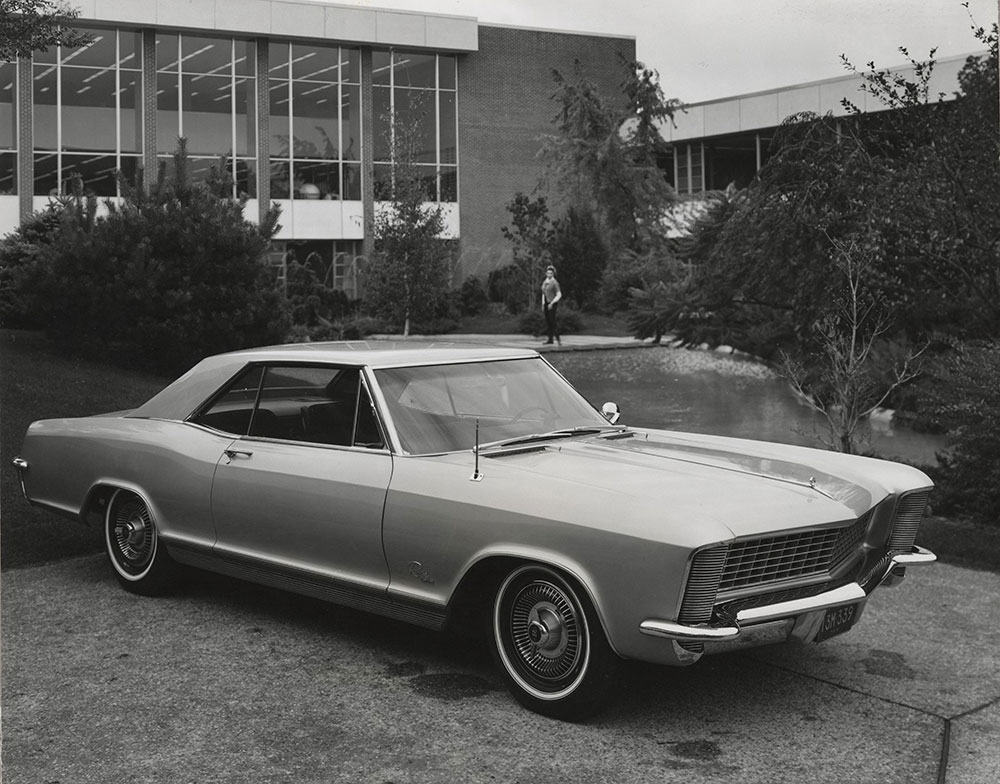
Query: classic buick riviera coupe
(439,483)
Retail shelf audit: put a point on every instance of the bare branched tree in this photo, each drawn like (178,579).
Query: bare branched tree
(848,377)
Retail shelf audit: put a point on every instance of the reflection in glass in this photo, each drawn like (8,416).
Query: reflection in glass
(449,183)
(317,180)
(448,128)
(350,108)
(246,116)
(279,123)
(167,48)
(382,112)
(351,184)
(280,179)
(315,63)
(446,72)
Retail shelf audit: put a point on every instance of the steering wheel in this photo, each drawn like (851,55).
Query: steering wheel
(525,411)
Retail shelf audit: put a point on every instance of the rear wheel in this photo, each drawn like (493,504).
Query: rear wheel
(140,561)
(550,645)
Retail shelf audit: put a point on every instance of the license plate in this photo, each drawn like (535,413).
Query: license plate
(837,620)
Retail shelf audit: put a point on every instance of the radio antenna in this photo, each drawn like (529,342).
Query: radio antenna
(476,476)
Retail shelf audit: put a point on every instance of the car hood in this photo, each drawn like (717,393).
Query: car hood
(748,487)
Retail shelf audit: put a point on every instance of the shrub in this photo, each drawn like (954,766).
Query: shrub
(965,400)
(568,321)
(163,280)
(505,285)
(472,297)
(18,253)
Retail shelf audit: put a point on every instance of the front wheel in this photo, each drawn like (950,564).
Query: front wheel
(550,645)
(140,561)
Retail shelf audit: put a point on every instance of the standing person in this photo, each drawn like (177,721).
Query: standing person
(551,294)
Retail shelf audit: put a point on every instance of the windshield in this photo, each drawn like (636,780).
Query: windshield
(435,408)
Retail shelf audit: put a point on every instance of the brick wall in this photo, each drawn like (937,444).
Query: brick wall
(505,106)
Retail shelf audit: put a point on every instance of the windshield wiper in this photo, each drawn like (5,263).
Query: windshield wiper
(553,435)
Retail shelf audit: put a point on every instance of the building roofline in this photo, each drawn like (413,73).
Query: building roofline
(558,31)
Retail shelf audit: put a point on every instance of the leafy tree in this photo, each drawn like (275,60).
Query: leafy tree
(579,255)
(165,278)
(409,276)
(847,380)
(32,25)
(531,234)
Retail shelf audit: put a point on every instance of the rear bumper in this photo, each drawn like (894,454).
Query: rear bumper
(888,571)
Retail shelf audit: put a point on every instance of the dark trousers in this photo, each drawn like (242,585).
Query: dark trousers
(550,321)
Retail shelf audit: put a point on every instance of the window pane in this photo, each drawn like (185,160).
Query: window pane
(449,145)
(449,183)
(414,70)
(381,65)
(98,172)
(350,109)
(279,123)
(208,112)
(382,181)
(383,119)
(44,108)
(314,120)
(246,116)
(166,52)
(167,114)
(100,53)
(246,177)
(351,184)
(245,63)
(277,59)
(446,72)
(8,118)
(130,49)
(130,97)
(350,61)
(8,173)
(316,63)
(203,55)
(231,412)
(280,183)
(129,167)
(46,175)
(88,109)
(317,180)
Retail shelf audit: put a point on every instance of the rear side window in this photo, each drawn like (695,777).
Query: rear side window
(313,404)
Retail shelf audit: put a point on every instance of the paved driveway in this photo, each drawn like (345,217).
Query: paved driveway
(226,682)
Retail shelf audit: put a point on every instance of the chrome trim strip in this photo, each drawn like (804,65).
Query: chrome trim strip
(845,594)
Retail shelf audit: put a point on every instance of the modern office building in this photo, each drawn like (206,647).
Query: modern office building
(726,141)
(296,97)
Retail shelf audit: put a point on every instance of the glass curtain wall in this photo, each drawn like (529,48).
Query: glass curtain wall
(206,92)
(315,121)
(8,128)
(418,92)
(87,113)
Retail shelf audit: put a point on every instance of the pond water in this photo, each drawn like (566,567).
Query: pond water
(720,394)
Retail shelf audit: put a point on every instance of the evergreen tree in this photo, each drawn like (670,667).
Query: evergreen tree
(163,279)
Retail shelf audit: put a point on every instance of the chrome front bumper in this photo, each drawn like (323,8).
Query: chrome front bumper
(753,616)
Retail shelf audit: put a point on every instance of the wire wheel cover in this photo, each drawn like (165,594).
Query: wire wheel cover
(545,632)
(133,535)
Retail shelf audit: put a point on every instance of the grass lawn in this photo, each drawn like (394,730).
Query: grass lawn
(38,383)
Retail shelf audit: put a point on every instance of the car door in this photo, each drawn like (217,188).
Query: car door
(305,487)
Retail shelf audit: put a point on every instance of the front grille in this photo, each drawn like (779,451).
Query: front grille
(909,512)
(799,555)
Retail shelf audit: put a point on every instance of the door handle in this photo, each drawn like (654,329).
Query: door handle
(232,454)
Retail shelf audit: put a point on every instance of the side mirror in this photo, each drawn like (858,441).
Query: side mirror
(611,412)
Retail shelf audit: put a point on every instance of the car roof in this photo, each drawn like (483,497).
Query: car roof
(383,353)
(183,396)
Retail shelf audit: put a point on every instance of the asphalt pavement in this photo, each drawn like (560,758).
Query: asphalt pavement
(227,682)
